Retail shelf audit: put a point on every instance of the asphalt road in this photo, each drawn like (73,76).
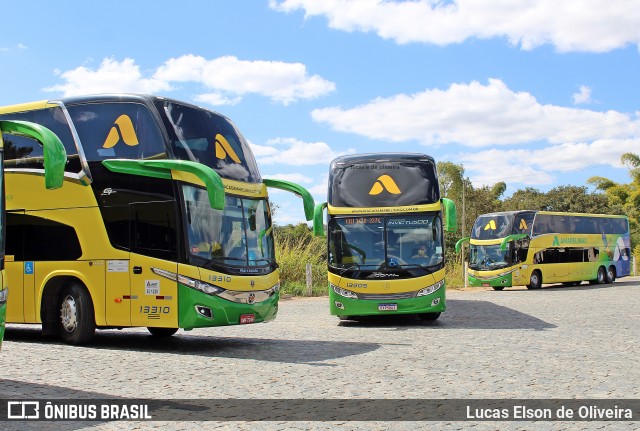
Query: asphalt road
(555,343)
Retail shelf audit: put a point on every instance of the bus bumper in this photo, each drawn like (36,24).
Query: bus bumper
(342,306)
(497,281)
(199,310)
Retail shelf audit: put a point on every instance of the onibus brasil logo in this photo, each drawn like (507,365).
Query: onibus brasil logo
(384,182)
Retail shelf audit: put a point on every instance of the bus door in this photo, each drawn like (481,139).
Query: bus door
(16,269)
(153,265)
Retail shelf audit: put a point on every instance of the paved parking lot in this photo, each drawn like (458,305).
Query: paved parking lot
(559,342)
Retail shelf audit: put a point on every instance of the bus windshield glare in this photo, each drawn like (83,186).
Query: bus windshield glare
(385,242)
(240,235)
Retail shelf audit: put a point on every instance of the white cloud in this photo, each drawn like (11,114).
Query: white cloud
(588,25)
(279,81)
(290,151)
(583,96)
(476,115)
(224,80)
(111,77)
(539,166)
(293,177)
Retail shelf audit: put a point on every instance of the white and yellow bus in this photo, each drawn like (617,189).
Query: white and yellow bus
(53,161)
(164,221)
(386,224)
(529,248)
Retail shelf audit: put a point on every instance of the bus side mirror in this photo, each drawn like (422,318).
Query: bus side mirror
(450,215)
(318,219)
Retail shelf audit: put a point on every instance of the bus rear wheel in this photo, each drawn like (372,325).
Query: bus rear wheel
(611,274)
(429,317)
(162,332)
(601,277)
(535,281)
(77,322)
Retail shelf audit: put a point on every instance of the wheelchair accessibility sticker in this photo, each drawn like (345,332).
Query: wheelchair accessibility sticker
(28,267)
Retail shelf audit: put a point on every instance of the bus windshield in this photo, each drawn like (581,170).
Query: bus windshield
(488,257)
(385,242)
(238,236)
(203,136)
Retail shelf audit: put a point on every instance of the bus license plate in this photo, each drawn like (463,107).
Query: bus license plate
(387,307)
(247,318)
(486,285)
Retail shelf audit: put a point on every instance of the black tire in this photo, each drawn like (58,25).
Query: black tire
(498,287)
(535,281)
(76,320)
(601,277)
(162,332)
(429,317)
(611,274)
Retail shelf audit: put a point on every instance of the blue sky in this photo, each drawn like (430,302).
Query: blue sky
(534,93)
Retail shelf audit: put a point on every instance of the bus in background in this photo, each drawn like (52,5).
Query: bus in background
(54,159)
(386,224)
(164,222)
(518,248)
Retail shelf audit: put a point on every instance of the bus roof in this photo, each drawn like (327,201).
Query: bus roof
(382,157)
(558,213)
(105,97)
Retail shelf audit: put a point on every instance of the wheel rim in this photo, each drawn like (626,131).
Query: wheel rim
(610,274)
(69,314)
(534,279)
(600,275)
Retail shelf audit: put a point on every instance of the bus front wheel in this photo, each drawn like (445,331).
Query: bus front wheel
(77,322)
(535,281)
(498,287)
(162,332)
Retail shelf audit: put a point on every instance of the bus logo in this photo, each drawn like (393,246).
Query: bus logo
(384,182)
(491,225)
(223,149)
(122,129)
(523,224)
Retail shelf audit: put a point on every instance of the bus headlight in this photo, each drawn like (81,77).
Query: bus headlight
(203,287)
(430,289)
(343,292)
(3,295)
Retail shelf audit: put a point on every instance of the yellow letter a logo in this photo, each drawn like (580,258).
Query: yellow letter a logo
(223,149)
(384,182)
(122,128)
(491,225)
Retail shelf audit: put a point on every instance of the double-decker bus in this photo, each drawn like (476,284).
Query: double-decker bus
(385,223)
(519,248)
(164,221)
(54,159)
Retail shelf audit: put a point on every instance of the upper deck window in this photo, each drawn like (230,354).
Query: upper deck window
(117,130)
(203,136)
(23,152)
(383,184)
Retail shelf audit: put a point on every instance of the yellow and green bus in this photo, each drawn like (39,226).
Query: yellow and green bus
(385,235)
(164,221)
(52,169)
(518,248)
